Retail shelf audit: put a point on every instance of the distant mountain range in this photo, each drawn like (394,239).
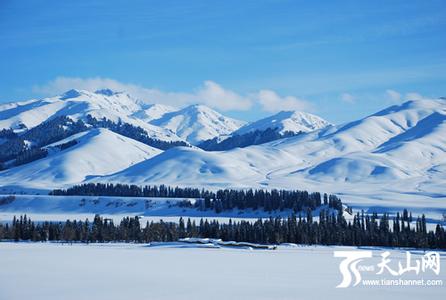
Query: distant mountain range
(397,154)
(192,124)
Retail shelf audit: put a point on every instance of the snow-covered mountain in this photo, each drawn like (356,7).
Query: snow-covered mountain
(194,123)
(97,152)
(77,104)
(197,123)
(286,121)
(280,125)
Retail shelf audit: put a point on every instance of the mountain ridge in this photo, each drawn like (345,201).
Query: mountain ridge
(286,121)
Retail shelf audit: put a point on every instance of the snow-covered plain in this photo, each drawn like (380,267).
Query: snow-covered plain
(182,271)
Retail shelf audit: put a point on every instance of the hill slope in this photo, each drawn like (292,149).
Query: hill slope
(97,152)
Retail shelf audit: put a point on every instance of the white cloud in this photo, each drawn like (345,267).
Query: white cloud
(214,95)
(209,93)
(414,96)
(397,97)
(394,96)
(348,98)
(272,102)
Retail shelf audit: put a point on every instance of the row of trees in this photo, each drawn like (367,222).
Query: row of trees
(28,146)
(7,134)
(256,137)
(220,200)
(332,229)
(133,132)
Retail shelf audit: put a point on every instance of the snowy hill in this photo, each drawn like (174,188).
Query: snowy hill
(192,166)
(197,123)
(97,152)
(405,139)
(286,121)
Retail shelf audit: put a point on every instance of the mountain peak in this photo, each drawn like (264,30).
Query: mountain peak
(196,123)
(198,108)
(283,121)
(105,92)
(418,105)
(73,93)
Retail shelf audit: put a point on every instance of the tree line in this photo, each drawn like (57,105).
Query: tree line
(331,229)
(29,145)
(221,200)
(256,137)
(133,132)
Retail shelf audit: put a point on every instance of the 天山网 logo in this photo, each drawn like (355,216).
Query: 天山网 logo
(351,270)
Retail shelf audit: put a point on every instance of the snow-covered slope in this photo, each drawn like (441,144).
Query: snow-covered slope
(77,104)
(97,152)
(398,142)
(286,121)
(193,166)
(197,123)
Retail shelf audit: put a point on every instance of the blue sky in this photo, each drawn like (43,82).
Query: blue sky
(339,59)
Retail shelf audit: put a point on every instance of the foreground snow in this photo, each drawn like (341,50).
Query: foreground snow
(185,271)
